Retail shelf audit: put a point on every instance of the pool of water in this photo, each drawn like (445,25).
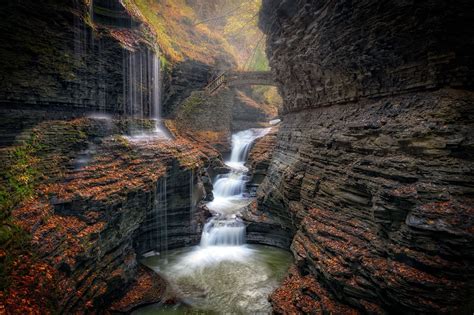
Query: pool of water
(223,275)
(220,279)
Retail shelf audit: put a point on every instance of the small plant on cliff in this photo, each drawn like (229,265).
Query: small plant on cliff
(18,178)
(191,105)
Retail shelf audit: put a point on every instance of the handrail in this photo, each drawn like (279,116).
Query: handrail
(216,83)
(235,78)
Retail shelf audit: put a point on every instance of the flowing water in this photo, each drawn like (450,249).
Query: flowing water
(223,274)
(143,69)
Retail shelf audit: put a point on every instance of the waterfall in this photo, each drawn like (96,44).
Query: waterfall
(223,236)
(224,229)
(242,142)
(142,94)
(156,90)
(157,221)
(192,204)
(228,185)
(141,73)
(163,217)
(223,233)
(89,52)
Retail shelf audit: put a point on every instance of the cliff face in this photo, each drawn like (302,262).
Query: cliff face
(374,159)
(91,58)
(81,62)
(342,52)
(100,202)
(98,56)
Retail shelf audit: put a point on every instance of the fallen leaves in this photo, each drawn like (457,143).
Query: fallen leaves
(32,288)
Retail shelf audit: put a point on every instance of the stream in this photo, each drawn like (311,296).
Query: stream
(223,274)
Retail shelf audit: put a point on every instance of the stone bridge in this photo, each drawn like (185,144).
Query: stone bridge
(240,78)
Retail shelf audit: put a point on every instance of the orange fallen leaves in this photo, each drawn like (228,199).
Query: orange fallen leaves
(32,288)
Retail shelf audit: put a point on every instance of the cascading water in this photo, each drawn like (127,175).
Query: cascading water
(224,229)
(223,274)
(223,233)
(229,188)
(142,93)
(241,144)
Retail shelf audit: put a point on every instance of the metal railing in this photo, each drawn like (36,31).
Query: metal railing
(217,83)
(236,78)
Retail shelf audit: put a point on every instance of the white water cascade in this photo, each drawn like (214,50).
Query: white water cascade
(223,233)
(223,274)
(229,189)
(143,69)
(225,229)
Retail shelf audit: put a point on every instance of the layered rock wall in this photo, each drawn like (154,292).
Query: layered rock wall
(93,213)
(93,57)
(374,159)
(340,52)
(66,65)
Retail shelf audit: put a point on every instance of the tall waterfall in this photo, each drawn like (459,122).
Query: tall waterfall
(156,90)
(142,93)
(157,220)
(161,214)
(139,88)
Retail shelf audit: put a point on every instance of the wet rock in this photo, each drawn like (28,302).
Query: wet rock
(262,229)
(260,157)
(147,288)
(369,168)
(90,225)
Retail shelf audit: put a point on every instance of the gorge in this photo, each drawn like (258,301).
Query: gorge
(236,157)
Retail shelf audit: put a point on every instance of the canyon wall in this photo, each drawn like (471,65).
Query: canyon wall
(89,58)
(78,63)
(95,57)
(373,167)
(99,202)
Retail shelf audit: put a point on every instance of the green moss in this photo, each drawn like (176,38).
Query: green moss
(191,105)
(164,63)
(123,141)
(157,22)
(19,176)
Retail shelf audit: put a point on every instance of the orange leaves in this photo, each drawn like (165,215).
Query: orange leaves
(148,288)
(66,218)
(31,289)
(303,294)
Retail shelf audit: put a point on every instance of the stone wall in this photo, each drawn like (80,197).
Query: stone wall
(374,159)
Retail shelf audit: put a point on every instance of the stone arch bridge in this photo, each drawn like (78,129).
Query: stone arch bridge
(240,78)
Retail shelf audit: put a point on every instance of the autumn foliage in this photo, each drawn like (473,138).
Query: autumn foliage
(70,209)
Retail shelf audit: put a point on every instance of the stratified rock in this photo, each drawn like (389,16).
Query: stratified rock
(260,156)
(373,166)
(90,222)
(148,288)
(264,229)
